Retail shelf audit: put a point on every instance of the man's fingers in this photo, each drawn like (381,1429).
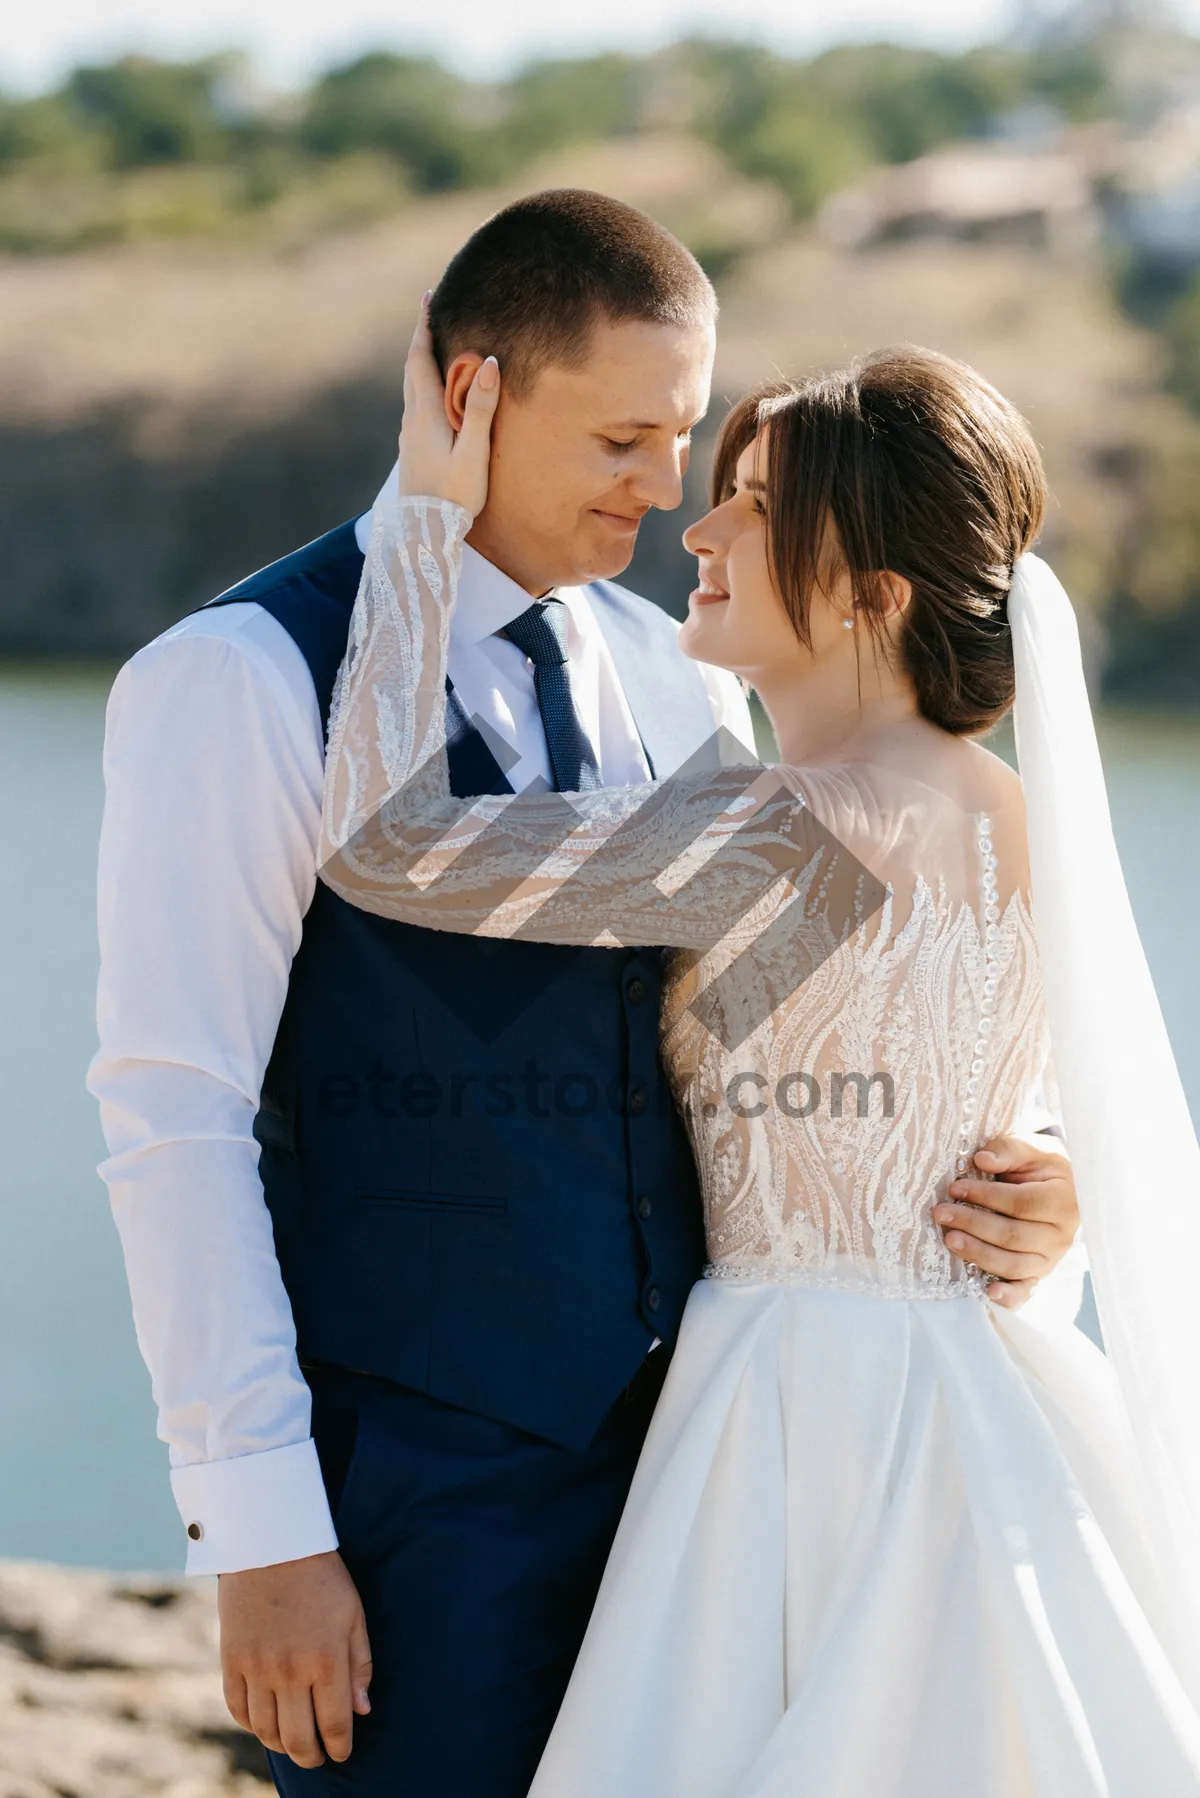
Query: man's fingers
(1010,1295)
(237,1699)
(1034,1199)
(360,1665)
(335,1713)
(1000,1154)
(263,1715)
(1027,1236)
(1021,1158)
(298,1726)
(1007,1264)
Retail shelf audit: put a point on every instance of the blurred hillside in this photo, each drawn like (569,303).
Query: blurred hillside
(205,292)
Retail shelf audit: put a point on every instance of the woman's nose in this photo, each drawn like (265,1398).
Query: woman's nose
(706,536)
(702,538)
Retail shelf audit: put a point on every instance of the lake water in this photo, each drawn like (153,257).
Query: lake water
(82,1477)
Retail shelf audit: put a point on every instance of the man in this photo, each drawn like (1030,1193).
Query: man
(409,1219)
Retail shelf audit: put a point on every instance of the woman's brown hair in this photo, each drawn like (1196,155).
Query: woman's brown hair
(922,469)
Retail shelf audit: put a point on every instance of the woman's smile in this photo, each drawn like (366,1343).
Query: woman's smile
(707,594)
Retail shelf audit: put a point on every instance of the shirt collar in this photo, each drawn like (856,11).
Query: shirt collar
(488,599)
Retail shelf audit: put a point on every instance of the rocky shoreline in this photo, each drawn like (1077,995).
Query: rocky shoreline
(110,1688)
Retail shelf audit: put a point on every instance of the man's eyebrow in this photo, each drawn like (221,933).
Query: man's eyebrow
(652,424)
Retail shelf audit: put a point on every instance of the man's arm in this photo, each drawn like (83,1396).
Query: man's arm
(213,765)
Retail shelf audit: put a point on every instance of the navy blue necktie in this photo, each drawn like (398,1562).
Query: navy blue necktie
(541,633)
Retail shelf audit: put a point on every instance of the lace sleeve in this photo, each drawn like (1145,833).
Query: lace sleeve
(714,853)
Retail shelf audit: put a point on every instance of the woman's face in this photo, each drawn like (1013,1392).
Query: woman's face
(736,617)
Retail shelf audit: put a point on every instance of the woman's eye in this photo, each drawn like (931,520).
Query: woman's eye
(760,508)
(618,446)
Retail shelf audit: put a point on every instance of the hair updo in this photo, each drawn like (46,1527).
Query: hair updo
(924,470)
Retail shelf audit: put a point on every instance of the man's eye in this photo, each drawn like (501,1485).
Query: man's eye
(618,446)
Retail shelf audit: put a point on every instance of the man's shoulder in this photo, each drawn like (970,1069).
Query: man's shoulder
(658,631)
(622,595)
(288,619)
(319,563)
(646,613)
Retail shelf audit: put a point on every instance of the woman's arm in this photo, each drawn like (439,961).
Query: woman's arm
(687,861)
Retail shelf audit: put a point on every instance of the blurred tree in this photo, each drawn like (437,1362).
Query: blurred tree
(45,130)
(1182,339)
(553,103)
(768,118)
(408,107)
(1075,78)
(154,112)
(909,101)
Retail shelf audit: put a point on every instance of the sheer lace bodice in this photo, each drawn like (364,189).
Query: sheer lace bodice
(853,1000)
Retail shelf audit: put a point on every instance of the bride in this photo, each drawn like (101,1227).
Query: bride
(865,1487)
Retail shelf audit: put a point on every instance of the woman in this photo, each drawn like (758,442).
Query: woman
(861,1478)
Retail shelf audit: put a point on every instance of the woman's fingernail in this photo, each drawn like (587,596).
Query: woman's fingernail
(489,374)
(954,1240)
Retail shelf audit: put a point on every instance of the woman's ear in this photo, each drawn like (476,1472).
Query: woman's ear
(459,376)
(895,594)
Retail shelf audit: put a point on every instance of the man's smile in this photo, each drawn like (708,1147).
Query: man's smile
(621,521)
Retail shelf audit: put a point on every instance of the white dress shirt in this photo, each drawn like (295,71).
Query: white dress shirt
(214,767)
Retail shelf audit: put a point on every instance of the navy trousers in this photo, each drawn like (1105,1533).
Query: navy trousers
(477,1551)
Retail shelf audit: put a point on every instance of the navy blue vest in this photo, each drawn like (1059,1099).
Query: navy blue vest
(479,1183)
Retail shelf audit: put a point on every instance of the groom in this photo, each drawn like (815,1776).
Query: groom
(409,1219)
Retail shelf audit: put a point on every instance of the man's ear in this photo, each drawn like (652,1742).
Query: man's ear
(459,376)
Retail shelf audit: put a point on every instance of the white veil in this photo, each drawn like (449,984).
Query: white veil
(1133,1145)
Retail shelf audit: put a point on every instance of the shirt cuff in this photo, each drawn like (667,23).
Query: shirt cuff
(254,1510)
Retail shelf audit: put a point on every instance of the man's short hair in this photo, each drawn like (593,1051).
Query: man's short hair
(531,283)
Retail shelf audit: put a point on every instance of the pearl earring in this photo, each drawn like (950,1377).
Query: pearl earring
(847,624)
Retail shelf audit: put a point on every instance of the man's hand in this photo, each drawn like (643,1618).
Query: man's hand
(1017,1225)
(295,1656)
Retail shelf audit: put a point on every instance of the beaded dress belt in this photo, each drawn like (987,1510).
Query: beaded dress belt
(769,1273)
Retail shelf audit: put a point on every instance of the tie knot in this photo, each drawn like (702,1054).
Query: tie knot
(541,633)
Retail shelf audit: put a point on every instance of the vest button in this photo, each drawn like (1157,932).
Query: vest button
(644,1207)
(653,1299)
(195,1532)
(637,1100)
(637,991)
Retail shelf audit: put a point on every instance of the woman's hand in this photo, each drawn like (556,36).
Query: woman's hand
(435,459)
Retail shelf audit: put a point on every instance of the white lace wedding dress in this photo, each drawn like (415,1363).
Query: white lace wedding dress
(883,1541)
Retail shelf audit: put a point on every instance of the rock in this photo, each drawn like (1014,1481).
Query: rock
(110,1687)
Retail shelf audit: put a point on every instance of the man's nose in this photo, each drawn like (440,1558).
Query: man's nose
(659,479)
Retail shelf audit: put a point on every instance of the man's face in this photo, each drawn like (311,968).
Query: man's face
(579,460)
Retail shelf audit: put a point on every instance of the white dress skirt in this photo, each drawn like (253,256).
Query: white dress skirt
(876,1548)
